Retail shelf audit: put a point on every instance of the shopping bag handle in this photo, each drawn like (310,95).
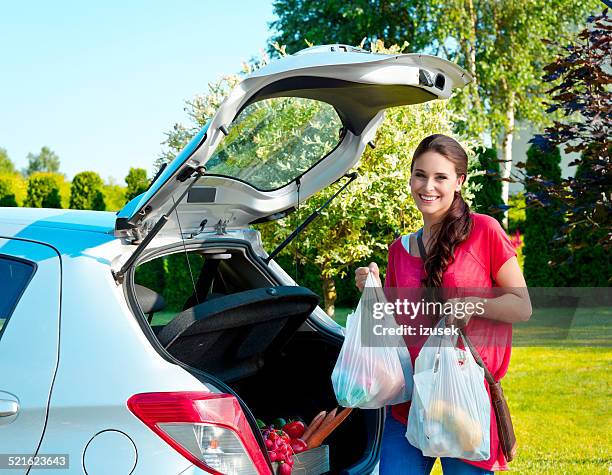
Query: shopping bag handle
(466,341)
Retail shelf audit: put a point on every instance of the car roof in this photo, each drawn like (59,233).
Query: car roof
(69,219)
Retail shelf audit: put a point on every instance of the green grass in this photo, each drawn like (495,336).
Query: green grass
(559,400)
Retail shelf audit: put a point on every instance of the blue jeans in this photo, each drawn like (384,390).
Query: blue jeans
(399,457)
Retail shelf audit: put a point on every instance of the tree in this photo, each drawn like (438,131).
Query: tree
(488,197)
(137,182)
(359,225)
(543,222)
(6,165)
(86,192)
(302,22)
(580,78)
(44,191)
(45,161)
(499,43)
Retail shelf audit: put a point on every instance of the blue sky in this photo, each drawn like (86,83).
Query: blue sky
(100,82)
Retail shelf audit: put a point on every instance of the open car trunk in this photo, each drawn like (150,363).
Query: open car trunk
(243,328)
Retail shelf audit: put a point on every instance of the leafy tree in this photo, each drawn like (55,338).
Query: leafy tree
(542,222)
(488,197)
(6,165)
(372,211)
(44,191)
(86,192)
(580,78)
(303,22)
(137,182)
(45,161)
(499,43)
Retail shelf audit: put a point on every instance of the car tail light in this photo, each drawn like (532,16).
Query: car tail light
(209,429)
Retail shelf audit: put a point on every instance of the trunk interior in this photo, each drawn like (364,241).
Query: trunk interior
(296,383)
(239,325)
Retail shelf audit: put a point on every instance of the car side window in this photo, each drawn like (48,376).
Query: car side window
(15,274)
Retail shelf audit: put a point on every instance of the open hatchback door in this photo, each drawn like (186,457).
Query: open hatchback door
(285,132)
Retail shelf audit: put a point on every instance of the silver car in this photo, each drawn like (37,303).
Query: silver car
(93,380)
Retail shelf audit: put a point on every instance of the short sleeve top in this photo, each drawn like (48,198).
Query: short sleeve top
(476,263)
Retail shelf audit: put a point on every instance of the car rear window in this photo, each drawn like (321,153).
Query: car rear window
(274,141)
(14,278)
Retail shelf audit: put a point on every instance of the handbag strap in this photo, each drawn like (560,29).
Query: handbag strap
(466,340)
(422,251)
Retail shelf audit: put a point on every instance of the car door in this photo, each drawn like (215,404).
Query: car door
(30,279)
(283,133)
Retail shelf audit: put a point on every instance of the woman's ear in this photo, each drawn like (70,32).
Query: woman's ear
(460,181)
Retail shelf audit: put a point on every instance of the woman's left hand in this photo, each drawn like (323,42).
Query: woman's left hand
(464,312)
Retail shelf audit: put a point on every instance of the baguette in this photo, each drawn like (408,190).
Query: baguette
(319,436)
(313,426)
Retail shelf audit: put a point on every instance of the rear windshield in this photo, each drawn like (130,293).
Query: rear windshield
(274,141)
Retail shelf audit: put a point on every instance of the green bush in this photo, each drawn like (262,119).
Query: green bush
(44,191)
(137,182)
(543,220)
(86,192)
(170,277)
(488,198)
(114,196)
(516,213)
(12,189)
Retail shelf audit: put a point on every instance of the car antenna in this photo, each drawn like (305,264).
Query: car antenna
(351,177)
(120,274)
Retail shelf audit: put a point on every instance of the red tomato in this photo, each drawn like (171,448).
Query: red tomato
(295,429)
(298,445)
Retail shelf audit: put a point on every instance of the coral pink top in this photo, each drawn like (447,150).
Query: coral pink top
(476,263)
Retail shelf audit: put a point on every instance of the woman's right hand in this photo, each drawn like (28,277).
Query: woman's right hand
(361,274)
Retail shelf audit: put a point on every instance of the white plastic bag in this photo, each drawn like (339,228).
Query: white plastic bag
(371,371)
(450,411)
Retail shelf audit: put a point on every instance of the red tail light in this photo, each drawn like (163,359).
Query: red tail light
(208,429)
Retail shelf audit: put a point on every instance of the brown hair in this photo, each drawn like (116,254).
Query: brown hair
(456,225)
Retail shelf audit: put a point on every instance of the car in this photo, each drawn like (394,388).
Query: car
(92,377)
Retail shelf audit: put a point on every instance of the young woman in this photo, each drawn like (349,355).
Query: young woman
(463,249)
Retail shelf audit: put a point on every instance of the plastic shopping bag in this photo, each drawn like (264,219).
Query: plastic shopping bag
(372,371)
(450,411)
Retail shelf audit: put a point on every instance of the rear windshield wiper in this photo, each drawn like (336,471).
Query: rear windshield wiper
(351,177)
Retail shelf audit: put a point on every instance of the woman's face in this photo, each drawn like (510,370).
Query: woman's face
(433,183)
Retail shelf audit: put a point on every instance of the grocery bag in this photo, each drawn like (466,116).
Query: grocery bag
(450,411)
(371,371)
